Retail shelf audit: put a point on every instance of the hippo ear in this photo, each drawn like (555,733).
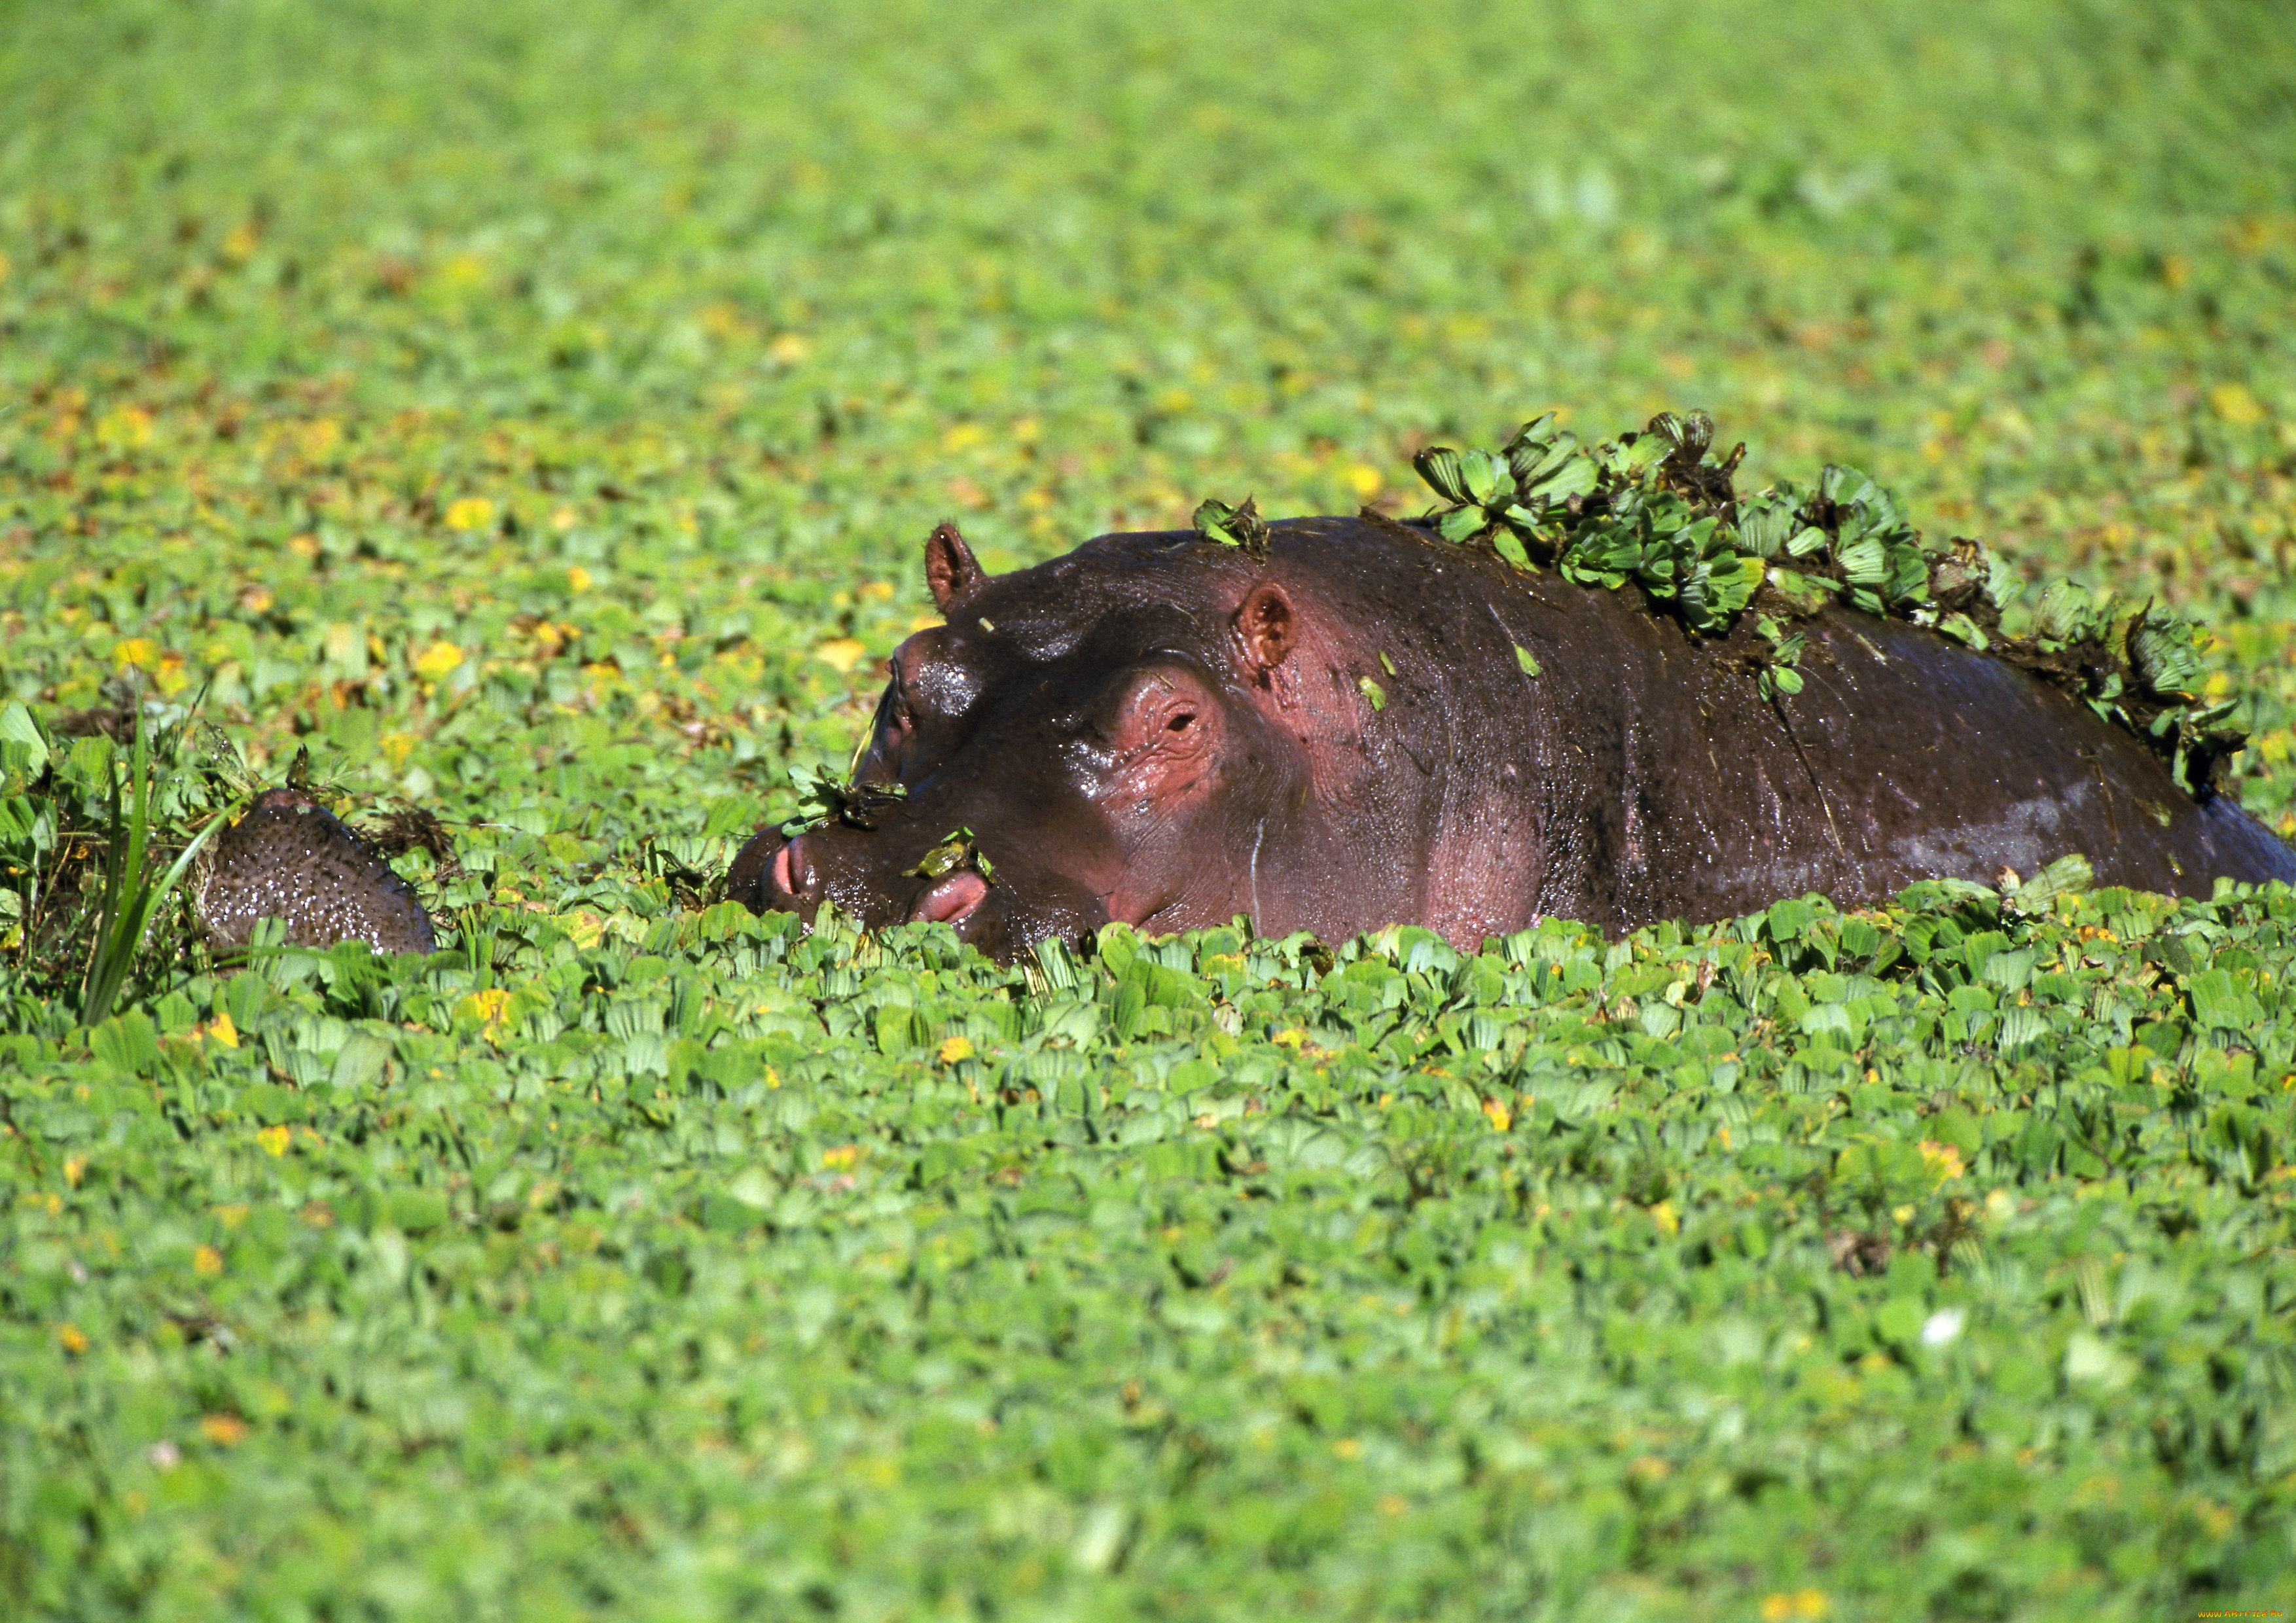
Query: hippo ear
(951,569)
(1267,625)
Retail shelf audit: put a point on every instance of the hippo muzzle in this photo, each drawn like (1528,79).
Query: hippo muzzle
(871,876)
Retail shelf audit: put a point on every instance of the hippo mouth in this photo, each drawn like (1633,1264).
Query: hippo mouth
(790,883)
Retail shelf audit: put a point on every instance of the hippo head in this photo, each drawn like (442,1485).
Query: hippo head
(293,859)
(1119,731)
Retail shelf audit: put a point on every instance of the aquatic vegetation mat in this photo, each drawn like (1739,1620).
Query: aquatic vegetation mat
(1654,507)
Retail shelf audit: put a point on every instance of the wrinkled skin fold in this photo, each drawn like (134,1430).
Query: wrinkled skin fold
(1167,733)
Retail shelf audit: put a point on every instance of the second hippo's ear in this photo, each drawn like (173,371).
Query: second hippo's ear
(951,569)
(1266,626)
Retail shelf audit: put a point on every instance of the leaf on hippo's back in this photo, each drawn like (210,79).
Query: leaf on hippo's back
(1533,456)
(1439,466)
(1385,663)
(1841,484)
(1240,527)
(1786,646)
(1575,475)
(1712,592)
(2062,614)
(1666,514)
(1485,476)
(2162,648)
(1864,562)
(1961,628)
(1631,456)
(1767,521)
(1535,437)
(1804,593)
(1373,692)
(1524,662)
(1909,580)
(1462,524)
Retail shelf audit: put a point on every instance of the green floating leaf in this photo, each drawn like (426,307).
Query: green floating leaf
(1240,527)
(1804,593)
(17,727)
(1863,562)
(2164,650)
(1439,466)
(1766,523)
(2069,875)
(1961,628)
(1485,476)
(954,851)
(1576,476)
(820,796)
(1463,524)
(1523,661)
(1909,580)
(2062,614)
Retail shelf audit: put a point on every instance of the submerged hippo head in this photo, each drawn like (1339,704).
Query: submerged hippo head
(1130,732)
(291,858)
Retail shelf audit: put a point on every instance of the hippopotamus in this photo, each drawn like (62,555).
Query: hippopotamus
(291,859)
(1359,725)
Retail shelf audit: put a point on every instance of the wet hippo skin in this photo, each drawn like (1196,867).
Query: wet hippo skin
(290,858)
(1167,731)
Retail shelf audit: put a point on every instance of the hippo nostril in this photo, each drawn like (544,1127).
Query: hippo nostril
(951,901)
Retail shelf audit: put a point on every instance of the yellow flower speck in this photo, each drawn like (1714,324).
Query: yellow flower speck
(469,513)
(224,1431)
